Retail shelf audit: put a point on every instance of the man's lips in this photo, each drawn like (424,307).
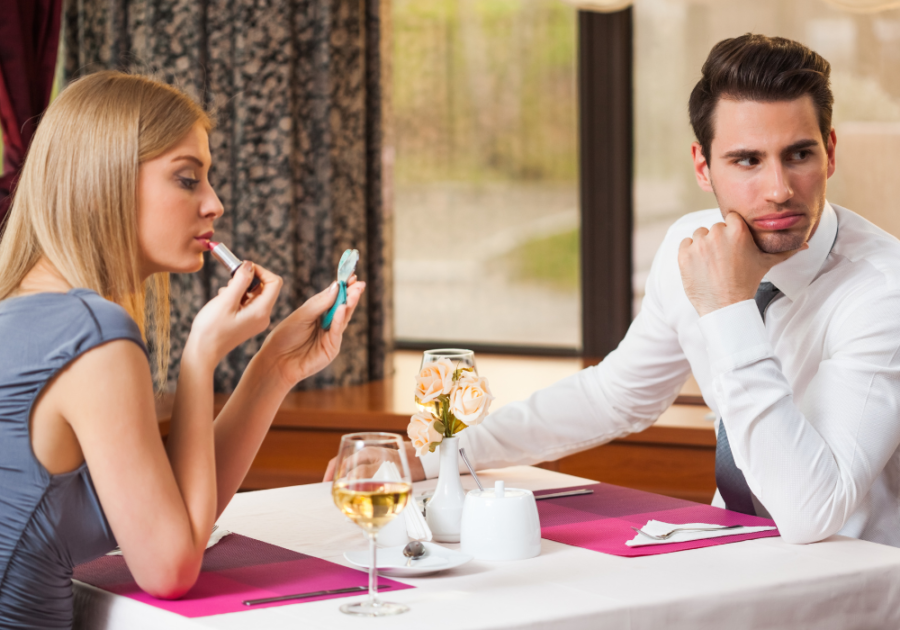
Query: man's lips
(780,221)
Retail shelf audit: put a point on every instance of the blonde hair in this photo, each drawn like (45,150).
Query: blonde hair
(76,201)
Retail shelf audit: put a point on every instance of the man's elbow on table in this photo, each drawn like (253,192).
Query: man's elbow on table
(799,530)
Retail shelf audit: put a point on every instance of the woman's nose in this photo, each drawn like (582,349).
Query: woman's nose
(212,205)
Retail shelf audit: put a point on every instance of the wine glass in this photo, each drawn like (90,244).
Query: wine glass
(459,357)
(371,486)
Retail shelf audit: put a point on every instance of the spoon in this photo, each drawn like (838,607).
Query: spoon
(414,550)
(462,453)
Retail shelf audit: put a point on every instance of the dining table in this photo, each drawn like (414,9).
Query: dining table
(839,583)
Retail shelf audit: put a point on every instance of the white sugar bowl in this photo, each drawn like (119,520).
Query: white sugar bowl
(500,524)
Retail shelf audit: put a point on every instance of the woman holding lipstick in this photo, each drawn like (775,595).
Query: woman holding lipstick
(114,196)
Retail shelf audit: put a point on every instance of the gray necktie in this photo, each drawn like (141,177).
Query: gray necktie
(729,478)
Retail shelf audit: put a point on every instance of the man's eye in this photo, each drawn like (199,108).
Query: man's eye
(748,161)
(799,156)
(188,183)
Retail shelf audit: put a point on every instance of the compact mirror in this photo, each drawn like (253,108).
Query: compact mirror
(346,268)
(347,265)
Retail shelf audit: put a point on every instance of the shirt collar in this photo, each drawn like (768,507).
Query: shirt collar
(797,272)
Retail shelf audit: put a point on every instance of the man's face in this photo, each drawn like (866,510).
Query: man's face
(768,163)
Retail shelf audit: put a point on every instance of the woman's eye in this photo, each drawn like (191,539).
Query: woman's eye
(188,183)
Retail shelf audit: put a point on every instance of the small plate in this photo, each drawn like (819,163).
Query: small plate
(391,560)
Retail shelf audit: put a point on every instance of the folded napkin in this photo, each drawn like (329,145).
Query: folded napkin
(218,534)
(658,528)
(416,527)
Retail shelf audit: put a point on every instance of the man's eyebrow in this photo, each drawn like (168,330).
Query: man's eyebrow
(800,145)
(743,154)
(190,158)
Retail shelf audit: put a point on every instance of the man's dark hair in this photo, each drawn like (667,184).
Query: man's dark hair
(759,68)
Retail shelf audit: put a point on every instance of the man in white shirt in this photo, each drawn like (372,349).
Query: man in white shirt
(805,377)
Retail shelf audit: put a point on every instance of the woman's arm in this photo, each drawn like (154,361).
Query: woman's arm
(152,505)
(295,349)
(161,503)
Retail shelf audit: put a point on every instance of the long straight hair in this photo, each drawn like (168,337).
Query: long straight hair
(76,201)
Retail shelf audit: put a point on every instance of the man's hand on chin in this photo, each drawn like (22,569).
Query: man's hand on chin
(723,266)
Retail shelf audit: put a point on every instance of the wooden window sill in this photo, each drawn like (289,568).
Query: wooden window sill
(675,456)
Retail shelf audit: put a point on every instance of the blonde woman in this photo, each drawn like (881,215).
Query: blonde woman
(113,196)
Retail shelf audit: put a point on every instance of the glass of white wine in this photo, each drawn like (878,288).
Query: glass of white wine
(371,486)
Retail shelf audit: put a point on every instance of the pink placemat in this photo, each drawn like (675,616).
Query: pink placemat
(236,569)
(602,521)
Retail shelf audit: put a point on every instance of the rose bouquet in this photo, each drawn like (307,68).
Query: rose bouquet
(451,399)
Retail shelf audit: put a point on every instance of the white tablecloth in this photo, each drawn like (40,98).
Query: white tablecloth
(840,583)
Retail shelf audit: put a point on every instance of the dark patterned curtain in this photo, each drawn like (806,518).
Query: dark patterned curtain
(297,151)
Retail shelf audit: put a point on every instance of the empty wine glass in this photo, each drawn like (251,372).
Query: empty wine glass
(459,357)
(371,486)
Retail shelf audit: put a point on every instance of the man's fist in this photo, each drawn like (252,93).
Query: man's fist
(722,265)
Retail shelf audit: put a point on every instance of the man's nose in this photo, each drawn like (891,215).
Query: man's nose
(778,185)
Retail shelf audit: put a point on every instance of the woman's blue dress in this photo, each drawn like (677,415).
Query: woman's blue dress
(48,523)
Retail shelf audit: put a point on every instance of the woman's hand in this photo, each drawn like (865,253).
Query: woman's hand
(233,316)
(298,347)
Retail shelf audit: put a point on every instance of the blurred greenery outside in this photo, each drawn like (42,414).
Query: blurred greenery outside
(483,94)
(553,261)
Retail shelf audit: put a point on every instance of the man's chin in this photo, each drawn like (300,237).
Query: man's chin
(778,242)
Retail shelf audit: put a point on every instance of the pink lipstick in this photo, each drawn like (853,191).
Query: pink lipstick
(231,262)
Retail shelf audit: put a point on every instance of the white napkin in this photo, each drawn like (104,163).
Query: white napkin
(416,527)
(658,528)
(218,534)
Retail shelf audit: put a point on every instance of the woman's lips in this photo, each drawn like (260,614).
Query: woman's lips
(778,221)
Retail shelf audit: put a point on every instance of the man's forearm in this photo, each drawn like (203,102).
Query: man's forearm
(565,418)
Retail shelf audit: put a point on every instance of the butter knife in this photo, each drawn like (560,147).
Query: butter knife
(557,495)
(336,591)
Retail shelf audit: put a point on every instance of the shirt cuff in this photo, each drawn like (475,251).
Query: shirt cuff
(431,462)
(735,336)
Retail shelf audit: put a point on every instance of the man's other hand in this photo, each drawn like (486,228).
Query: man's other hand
(722,265)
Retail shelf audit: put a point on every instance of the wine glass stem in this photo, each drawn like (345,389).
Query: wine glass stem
(373,572)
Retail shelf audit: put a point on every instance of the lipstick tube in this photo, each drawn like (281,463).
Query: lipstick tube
(224,255)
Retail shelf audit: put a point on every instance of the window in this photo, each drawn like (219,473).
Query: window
(484,102)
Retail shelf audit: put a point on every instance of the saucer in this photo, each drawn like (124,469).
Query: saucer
(392,562)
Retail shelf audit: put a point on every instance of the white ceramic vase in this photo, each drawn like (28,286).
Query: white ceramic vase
(443,512)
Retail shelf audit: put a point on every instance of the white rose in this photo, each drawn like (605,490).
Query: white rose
(434,379)
(470,399)
(421,432)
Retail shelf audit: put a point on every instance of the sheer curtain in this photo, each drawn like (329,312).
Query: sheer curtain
(850,5)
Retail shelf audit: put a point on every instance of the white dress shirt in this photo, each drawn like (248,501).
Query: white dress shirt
(810,399)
